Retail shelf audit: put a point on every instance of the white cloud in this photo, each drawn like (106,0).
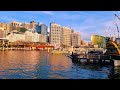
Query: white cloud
(47,12)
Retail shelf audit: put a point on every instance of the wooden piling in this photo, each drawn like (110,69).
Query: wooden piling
(94,61)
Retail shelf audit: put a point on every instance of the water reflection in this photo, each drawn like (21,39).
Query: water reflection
(43,65)
(17,63)
(59,62)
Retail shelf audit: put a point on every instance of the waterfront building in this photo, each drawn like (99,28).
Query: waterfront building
(28,36)
(38,28)
(2,33)
(15,36)
(26,25)
(31,36)
(42,38)
(35,37)
(66,36)
(3,42)
(42,29)
(75,39)
(55,34)
(15,26)
(6,27)
(98,40)
(33,25)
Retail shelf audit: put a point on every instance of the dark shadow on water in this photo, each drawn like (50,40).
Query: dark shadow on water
(107,69)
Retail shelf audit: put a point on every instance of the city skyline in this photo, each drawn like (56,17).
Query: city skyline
(85,22)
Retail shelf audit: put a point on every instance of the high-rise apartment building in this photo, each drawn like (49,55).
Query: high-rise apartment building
(66,40)
(6,27)
(75,39)
(42,29)
(2,33)
(33,25)
(55,34)
(42,38)
(38,28)
(15,26)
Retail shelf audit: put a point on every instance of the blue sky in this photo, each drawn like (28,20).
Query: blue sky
(85,22)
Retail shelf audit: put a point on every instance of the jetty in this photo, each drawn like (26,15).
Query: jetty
(111,56)
(92,58)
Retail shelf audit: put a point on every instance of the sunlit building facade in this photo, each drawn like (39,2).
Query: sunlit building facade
(66,36)
(55,34)
(2,33)
(35,37)
(75,39)
(98,40)
(33,25)
(43,30)
(13,37)
(42,38)
(6,27)
(15,26)
(31,36)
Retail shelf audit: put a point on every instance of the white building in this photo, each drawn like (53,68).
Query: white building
(31,36)
(28,36)
(42,38)
(66,36)
(75,39)
(2,33)
(35,37)
(13,37)
(55,34)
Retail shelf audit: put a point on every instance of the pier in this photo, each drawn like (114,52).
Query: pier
(92,58)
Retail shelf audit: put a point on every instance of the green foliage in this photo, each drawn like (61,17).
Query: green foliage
(22,30)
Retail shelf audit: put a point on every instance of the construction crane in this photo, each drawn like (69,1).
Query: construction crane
(117,30)
(117,25)
(117,16)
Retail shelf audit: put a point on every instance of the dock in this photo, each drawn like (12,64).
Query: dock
(93,58)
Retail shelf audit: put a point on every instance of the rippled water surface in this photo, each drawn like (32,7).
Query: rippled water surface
(43,65)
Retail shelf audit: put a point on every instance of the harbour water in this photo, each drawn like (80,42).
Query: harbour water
(43,65)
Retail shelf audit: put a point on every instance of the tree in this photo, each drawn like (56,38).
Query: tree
(22,29)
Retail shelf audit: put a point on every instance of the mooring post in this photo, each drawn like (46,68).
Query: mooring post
(104,60)
(99,57)
(94,60)
(100,61)
(110,58)
(87,56)
(88,60)
(79,60)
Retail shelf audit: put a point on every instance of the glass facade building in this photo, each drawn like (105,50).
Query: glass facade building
(98,40)
(42,29)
